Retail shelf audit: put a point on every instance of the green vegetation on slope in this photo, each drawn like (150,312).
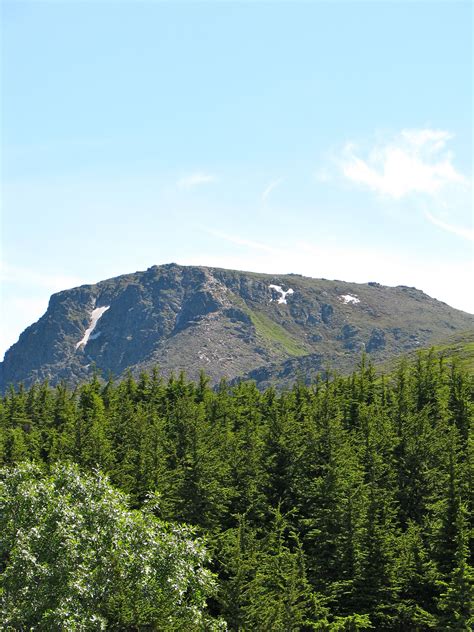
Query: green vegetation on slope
(271,333)
(274,334)
(460,348)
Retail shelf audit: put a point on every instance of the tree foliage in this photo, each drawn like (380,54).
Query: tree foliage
(75,557)
(344,505)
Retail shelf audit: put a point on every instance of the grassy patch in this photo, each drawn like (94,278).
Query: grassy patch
(463,351)
(271,332)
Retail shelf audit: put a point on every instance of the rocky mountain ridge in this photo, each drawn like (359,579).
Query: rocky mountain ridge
(228,323)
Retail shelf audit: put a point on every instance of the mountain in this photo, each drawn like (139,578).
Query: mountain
(227,322)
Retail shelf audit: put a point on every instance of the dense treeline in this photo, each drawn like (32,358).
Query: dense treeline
(340,506)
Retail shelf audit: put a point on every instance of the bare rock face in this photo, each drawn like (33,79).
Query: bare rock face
(326,313)
(376,341)
(350,337)
(226,322)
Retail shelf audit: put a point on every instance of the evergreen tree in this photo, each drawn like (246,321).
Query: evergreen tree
(457,599)
(279,596)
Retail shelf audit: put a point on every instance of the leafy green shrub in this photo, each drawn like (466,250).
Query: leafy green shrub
(73,556)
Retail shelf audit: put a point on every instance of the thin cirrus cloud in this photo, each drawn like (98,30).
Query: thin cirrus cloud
(415,161)
(239,241)
(271,186)
(196,179)
(461,231)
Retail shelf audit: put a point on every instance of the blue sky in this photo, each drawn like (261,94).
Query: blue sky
(327,139)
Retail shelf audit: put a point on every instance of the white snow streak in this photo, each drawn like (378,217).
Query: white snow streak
(280,290)
(349,298)
(95,315)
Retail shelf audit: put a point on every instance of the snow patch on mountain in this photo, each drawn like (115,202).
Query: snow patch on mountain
(281,291)
(349,298)
(95,316)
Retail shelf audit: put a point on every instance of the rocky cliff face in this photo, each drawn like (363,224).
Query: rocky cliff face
(226,322)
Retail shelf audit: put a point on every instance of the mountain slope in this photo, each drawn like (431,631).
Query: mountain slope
(227,322)
(282,375)
(457,348)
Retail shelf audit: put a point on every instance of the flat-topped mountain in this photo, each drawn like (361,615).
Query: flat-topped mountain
(227,322)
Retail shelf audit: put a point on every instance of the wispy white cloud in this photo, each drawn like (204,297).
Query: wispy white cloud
(239,241)
(461,231)
(431,139)
(272,185)
(415,161)
(196,179)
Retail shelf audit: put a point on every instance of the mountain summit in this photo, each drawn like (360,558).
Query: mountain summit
(227,322)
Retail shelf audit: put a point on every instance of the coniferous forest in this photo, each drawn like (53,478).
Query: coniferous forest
(344,505)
